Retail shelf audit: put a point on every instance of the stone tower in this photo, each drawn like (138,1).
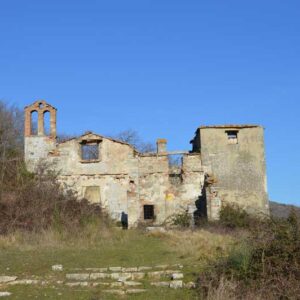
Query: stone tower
(38,142)
(234,160)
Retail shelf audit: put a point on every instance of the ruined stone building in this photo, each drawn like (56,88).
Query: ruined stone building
(226,165)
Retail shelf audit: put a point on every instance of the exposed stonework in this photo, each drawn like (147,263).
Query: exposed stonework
(226,164)
(233,157)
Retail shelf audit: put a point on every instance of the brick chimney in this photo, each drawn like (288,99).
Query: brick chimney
(161,145)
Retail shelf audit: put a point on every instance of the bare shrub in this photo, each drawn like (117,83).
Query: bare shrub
(41,204)
(182,219)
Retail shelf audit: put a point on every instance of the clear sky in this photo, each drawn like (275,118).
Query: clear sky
(163,68)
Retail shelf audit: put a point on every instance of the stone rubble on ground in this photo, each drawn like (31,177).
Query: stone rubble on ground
(161,284)
(126,279)
(5,294)
(4,279)
(73,284)
(80,277)
(190,285)
(138,276)
(57,268)
(176,284)
(177,276)
(116,292)
(115,269)
(132,283)
(98,270)
(100,283)
(26,282)
(95,276)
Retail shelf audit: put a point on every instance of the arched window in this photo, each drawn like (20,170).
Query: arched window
(34,123)
(47,123)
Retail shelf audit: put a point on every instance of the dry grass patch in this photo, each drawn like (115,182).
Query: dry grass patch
(90,236)
(199,245)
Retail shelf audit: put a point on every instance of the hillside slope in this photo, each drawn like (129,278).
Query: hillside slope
(282,210)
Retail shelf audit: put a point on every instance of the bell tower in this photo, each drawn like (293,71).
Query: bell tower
(40,137)
(41,108)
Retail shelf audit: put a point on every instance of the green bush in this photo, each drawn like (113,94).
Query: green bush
(182,219)
(268,261)
(233,216)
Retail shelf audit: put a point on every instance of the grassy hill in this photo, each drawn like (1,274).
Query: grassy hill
(281,210)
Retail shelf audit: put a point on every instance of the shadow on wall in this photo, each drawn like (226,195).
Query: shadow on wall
(201,205)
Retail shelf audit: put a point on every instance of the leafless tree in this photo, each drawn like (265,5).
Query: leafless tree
(11,141)
(133,138)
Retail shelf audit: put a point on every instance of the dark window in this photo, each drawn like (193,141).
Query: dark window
(148,212)
(89,151)
(232,136)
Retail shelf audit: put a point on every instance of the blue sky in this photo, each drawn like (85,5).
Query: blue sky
(163,68)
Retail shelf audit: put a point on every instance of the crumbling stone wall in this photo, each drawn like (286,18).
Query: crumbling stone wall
(124,182)
(236,167)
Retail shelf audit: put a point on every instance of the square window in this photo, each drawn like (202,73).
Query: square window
(232,136)
(148,212)
(89,151)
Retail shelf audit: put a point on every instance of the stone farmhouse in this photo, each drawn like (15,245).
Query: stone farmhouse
(226,165)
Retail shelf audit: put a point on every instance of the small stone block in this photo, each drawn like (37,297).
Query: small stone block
(94,284)
(132,283)
(129,269)
(78,276)
(161,284)
(57,268)
(95,276)
(170,272)
(116,292)
(135,291)
(4,279)
(162,267)
(124,276)
(190,285)
(176,276)
(115,276)
(74,284)
(5,294)
(115,269)
(156,274)
(24,282)
(116,284)
(137,276)
(98,270)
(176,284)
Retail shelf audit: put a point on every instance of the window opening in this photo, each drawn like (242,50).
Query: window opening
(90,151)
(148,212)
(232,136)
(47,123)
(34,123)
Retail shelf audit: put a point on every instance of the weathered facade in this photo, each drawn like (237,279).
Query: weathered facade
(226,164)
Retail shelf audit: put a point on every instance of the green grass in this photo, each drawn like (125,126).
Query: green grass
(63,293)
(28,255)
